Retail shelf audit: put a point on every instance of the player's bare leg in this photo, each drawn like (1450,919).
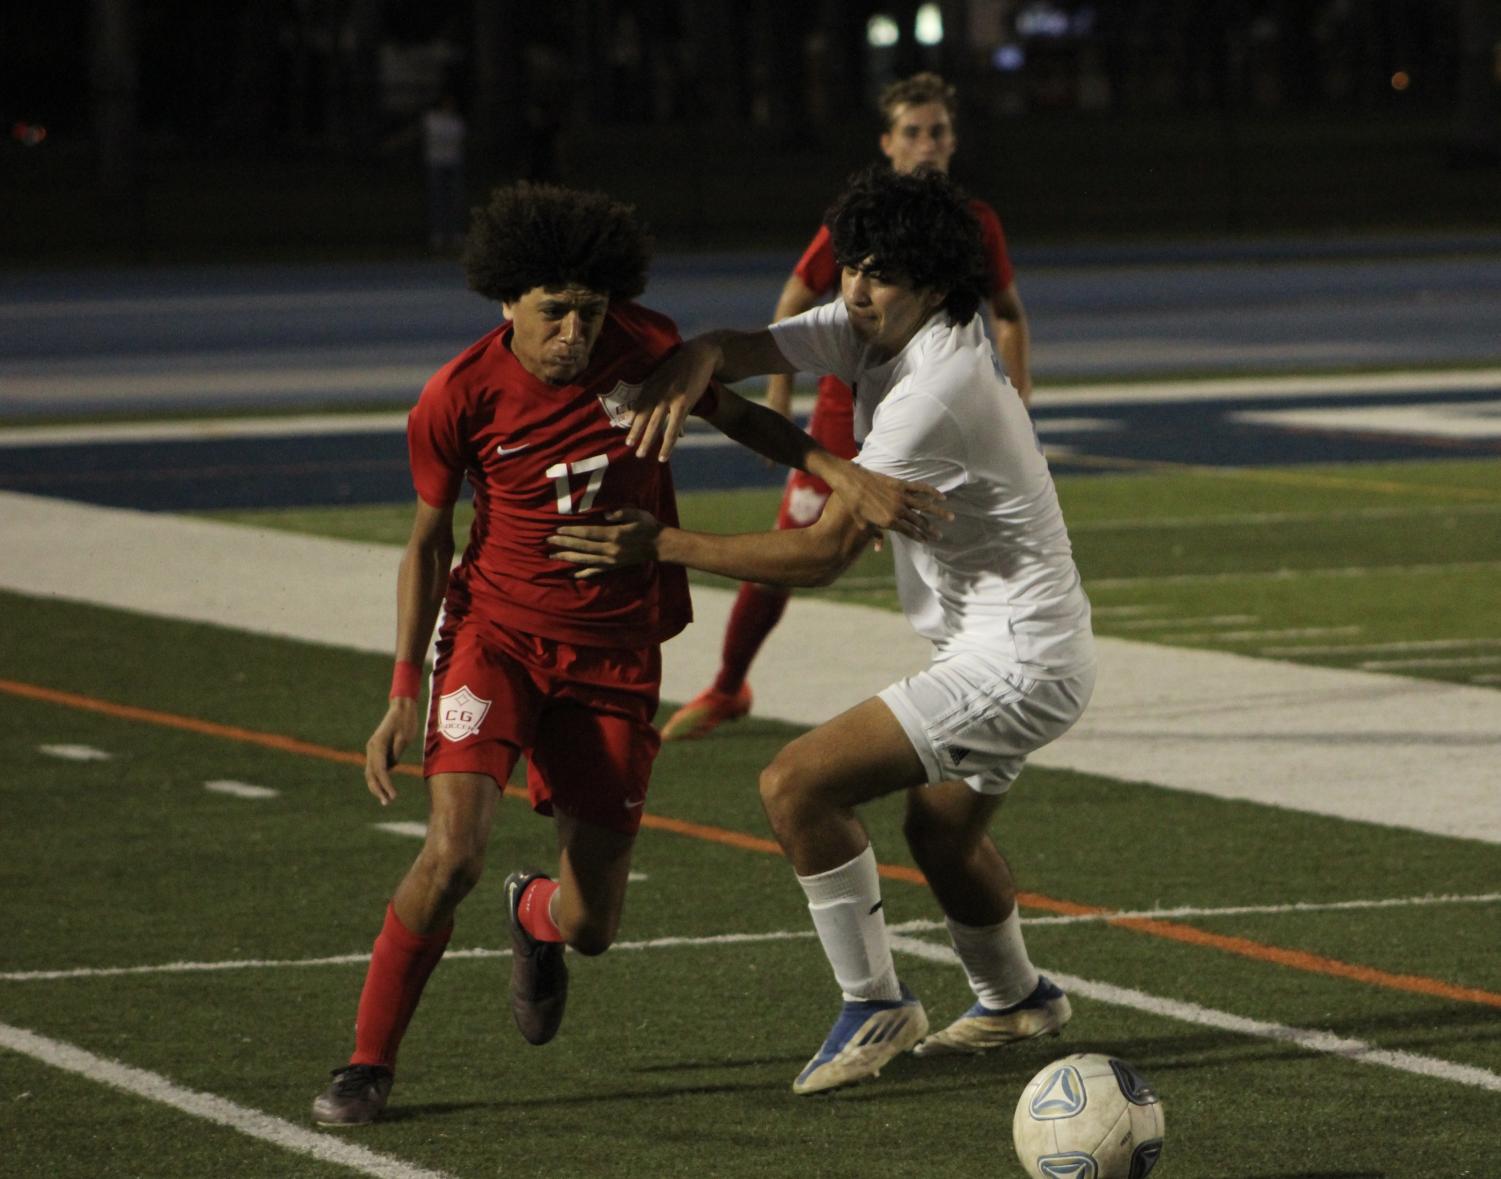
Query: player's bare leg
(947,828)
(810,792)
(461,810)
(581,909)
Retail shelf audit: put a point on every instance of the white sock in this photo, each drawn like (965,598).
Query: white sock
(846,907)
(995,959)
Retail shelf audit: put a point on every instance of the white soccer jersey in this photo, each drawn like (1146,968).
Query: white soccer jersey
(1002,576)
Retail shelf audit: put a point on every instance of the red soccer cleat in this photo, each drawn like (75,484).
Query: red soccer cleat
(705,713)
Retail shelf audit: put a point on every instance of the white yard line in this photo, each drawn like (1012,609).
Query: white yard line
(1380,648)
(1330,741)
(919,925)
(1487,898)
(1256,636)
(1175,623)
(253,1123)
(1356,1051)
(284,1134)
(1439,662)
(339,1151)
(1295,574)
(1254,519)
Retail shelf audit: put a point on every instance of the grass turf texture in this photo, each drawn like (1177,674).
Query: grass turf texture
(673,1061)
(1400,552)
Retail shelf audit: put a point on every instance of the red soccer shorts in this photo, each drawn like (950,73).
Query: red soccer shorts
(581,715)
(832,427)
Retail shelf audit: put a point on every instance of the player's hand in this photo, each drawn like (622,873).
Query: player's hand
(629,539)
(668,396)
(879,503)
(397,729)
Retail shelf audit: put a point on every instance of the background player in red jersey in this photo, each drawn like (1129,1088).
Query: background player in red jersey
(919,120)
(530,660)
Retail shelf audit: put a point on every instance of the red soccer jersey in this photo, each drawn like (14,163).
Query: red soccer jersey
(540,456)
(820,272)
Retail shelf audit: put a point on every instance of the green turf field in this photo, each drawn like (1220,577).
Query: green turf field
(1314,998)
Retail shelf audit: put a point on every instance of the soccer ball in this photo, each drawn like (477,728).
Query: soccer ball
(1088,1117)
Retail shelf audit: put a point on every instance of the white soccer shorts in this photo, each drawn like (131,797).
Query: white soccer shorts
(975,719)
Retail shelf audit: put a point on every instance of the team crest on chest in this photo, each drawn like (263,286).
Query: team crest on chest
(619,402)
(460,714)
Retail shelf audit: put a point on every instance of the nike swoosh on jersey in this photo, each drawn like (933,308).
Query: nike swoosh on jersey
(505,450)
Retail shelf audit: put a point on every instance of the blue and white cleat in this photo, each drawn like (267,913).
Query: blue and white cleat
(1042,1013)
(866,1035)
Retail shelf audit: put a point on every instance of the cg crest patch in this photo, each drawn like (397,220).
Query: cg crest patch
(460,714)
(619,402)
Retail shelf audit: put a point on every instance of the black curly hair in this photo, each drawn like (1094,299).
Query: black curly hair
(542,235)
(915,229)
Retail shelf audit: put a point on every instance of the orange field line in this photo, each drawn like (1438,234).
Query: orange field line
(1170,930)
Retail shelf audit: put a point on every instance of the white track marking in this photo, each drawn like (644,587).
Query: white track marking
(1386,384)
(1256,636)
(251,1122)
(75,752)
(240,789)
(1381,648)
(918,925)
(1078,426)
(206,429)
(1440,662)
(1467,419)
(1175,623)
(1357,1051)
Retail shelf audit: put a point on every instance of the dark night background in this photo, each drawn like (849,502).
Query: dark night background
(184,130)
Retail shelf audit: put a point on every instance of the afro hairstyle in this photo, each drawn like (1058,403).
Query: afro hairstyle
(542,235)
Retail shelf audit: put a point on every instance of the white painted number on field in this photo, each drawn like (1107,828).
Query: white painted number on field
(562,475)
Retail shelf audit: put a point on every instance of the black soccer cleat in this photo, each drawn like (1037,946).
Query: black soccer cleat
(355,1097)
(539,974)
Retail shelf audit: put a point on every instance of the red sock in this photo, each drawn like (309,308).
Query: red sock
(532,910)
(400,965)
(756,612)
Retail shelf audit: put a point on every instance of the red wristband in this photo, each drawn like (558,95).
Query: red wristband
(405,680)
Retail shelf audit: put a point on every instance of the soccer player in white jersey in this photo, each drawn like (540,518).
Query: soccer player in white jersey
(997,593)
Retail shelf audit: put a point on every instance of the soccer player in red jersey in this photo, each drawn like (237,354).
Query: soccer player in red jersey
(919,133)
(529,659)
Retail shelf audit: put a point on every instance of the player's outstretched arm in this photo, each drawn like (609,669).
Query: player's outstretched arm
(811,556)
(420,584)
(878,502)
(674,388)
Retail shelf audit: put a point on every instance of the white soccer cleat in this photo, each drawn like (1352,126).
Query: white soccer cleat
(866,1035)
(1042,1013)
